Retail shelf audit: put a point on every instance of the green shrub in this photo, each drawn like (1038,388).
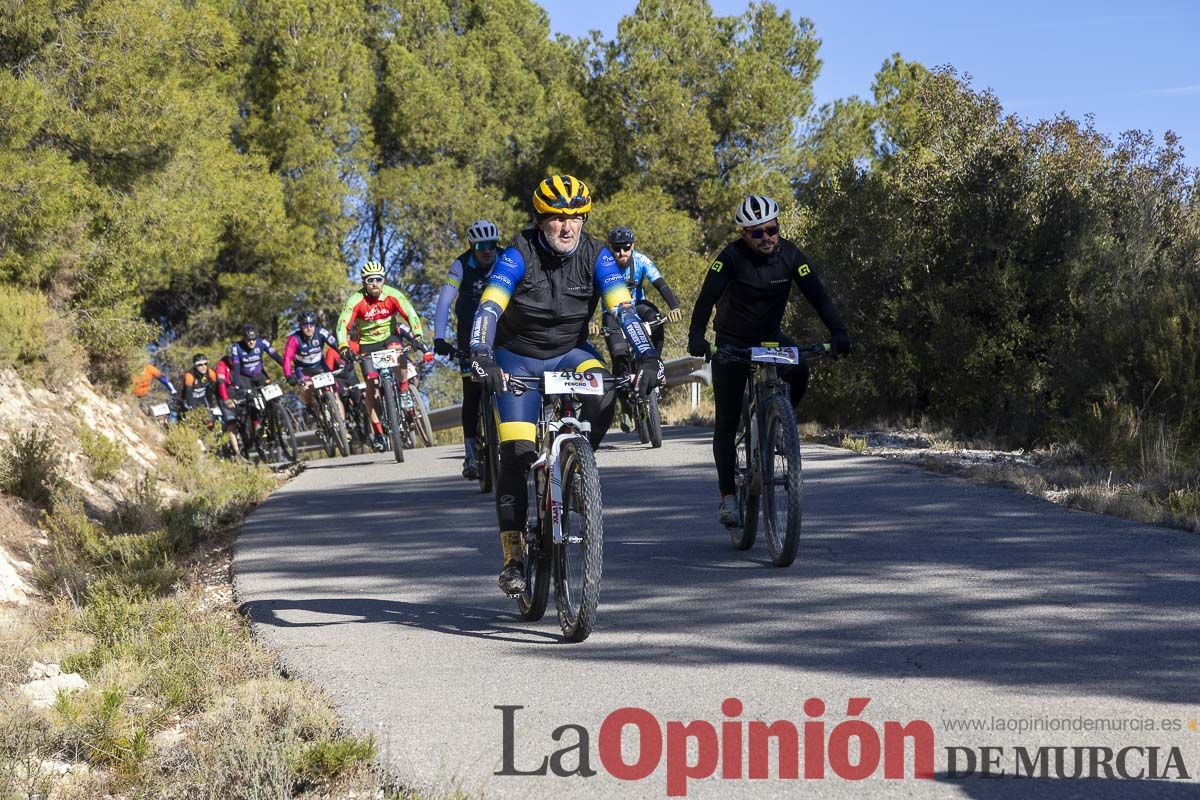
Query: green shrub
(106,456)
(95,726)
(114,343)
(23,318)
(29,464)
(858,445)
(323,760)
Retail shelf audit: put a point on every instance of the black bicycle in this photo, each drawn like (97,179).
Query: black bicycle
(330,420)
(642,409)
(271,425)
(767,472)
(564,533)
(395,422)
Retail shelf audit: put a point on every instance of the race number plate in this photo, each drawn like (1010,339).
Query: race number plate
(323,379)
(160,409)
(567,382)
(385,359)
(271,391)
(775,355)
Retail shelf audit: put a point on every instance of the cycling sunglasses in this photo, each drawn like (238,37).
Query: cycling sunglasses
(373,279)
(758,233)
(574,202)
(621,248)
(481,246)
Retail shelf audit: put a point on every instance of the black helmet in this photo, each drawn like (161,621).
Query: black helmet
(249,332)
(199,358)
(306,318)
(620,235)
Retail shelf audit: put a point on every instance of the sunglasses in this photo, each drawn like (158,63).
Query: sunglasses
(622,248)
(574,202)
(308,324)
(758,233)
(373,279)
(482,246)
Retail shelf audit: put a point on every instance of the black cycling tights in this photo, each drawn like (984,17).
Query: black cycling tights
(472,396)
(729,382)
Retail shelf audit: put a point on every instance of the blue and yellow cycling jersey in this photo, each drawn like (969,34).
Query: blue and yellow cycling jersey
(537,303)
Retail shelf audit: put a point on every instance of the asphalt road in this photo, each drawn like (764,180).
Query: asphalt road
(939,600)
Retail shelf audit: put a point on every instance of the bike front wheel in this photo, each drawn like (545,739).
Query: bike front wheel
(391,408)
(783,488)
(487,447)
(653,420)
(579,558)
(337,423)
(421,419)
(285,429)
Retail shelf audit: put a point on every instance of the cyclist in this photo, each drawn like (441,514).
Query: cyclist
(199,384)
(224,379)
(144,380)
(464,287)
(637,269)
(303,356)
(246,359)
(534,312)
(376,310)
(749,284)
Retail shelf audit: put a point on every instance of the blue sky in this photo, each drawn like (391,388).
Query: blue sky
(1130,65)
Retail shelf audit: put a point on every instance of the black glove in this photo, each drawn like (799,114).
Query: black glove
(650,373)
(346,353)
(841,343)
(442,347)
(419,343)
(698,347)
(487,372)
(293,379)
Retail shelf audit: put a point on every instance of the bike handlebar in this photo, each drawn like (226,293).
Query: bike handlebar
(732,354)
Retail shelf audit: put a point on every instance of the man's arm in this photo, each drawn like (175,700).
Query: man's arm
(345,319)
(272,352)
(502,282)
(441,318)
(289,355)
(716,280)
(406,308)
(611,285)
(658,281)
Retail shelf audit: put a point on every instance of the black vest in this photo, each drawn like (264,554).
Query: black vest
(474,280)
(549,310)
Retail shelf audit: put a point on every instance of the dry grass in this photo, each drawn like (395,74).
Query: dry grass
(676,407)
(1160,488)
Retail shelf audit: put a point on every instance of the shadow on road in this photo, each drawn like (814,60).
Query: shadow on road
(901,573)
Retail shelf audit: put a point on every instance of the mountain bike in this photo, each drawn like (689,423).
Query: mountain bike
(564,532)
(331,421)
(767,471)
(384,363)
(274,438)
(647,418)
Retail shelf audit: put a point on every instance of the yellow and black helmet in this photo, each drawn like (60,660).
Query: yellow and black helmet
(562,194)
(372,268)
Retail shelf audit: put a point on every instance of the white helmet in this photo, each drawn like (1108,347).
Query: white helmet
(483,231)
(755,210)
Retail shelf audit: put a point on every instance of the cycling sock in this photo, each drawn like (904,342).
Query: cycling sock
(378,427)
(469,444)
(510,542)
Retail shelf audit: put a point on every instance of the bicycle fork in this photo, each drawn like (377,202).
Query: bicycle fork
(548,464)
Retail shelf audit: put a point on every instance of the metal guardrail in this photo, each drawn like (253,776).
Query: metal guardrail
(687,369)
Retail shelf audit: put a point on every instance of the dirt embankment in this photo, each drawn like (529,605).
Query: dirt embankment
(116,430)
